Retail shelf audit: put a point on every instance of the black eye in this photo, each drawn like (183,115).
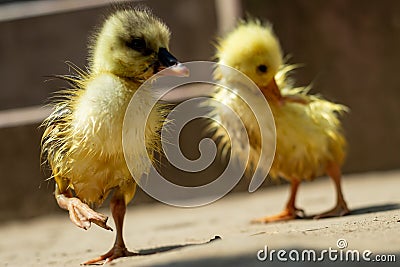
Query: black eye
(138,44)
(262,68)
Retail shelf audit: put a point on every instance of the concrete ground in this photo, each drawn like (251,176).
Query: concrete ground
(168,236)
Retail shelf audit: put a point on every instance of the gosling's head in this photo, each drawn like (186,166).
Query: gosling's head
(253,49)
(133,44)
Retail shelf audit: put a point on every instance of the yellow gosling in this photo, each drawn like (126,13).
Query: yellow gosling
(310,142)
(82,141)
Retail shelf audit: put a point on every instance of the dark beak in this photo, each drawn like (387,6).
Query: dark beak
(167,60)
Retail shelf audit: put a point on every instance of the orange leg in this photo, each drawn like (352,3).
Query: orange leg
(118,209)
(80,213)
(290,212)
(341,208)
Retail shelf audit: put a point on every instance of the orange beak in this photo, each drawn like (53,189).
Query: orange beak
(272,91)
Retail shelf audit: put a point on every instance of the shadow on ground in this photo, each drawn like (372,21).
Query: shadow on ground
(365,210)
(375,208)
(150,251)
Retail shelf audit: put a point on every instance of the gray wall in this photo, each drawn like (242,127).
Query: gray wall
(350,51)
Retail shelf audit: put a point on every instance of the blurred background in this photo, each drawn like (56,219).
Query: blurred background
(349,50)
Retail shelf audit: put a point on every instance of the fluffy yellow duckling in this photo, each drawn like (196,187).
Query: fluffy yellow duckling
(310,142)
(83,137)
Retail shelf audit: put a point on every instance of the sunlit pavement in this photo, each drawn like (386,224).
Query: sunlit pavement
(220,234)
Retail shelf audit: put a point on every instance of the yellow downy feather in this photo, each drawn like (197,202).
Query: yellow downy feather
(82,141)
(308,131)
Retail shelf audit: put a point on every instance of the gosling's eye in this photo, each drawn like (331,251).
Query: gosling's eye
(138,44)
(262,68)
